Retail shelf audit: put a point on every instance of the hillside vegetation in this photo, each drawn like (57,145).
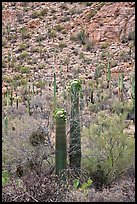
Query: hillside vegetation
(68,101)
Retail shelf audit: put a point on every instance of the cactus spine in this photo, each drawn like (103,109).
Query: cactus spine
(75,137)
(61,146)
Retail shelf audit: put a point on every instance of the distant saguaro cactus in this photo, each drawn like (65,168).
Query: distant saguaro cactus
(61,146)
(133,90)
(119,86)
(55,87)
(28,106)
(5,124)
(75,137)
(17,101)
(11,98)
(108,71)
(122,87)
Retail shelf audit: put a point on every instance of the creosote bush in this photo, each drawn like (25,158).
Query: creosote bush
(108,152)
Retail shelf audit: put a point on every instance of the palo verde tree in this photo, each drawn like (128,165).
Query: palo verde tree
(75,137)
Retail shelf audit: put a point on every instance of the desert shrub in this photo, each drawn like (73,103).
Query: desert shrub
(62,45)
(124,56)
(35,14)
(104,45)
(131,35)
(73,37)
(81,37)
(88,45)
(16,147)
(25,69)
(59,27)
(24,55)
(43,12)
(120,107)
(90,14)
(22,46)
(40,84)
(107,151)
(40,38)
(52,33)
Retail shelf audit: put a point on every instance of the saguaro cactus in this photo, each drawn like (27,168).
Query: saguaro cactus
(17,101)
(28,106)
(61,146)
(75,137)
(11,98)
(121,86)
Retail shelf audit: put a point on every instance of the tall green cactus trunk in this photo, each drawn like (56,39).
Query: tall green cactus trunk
(75,137)
(61,146)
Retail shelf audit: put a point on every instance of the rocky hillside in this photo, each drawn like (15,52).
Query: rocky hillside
(67,37)
(90,41)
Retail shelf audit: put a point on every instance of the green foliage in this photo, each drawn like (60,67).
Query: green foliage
(24,33)
(109,152)
(83,186)
(24,55)
(22,46)
(76,183)
(52,33)
(87,184)
(5,178)
(25,69)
